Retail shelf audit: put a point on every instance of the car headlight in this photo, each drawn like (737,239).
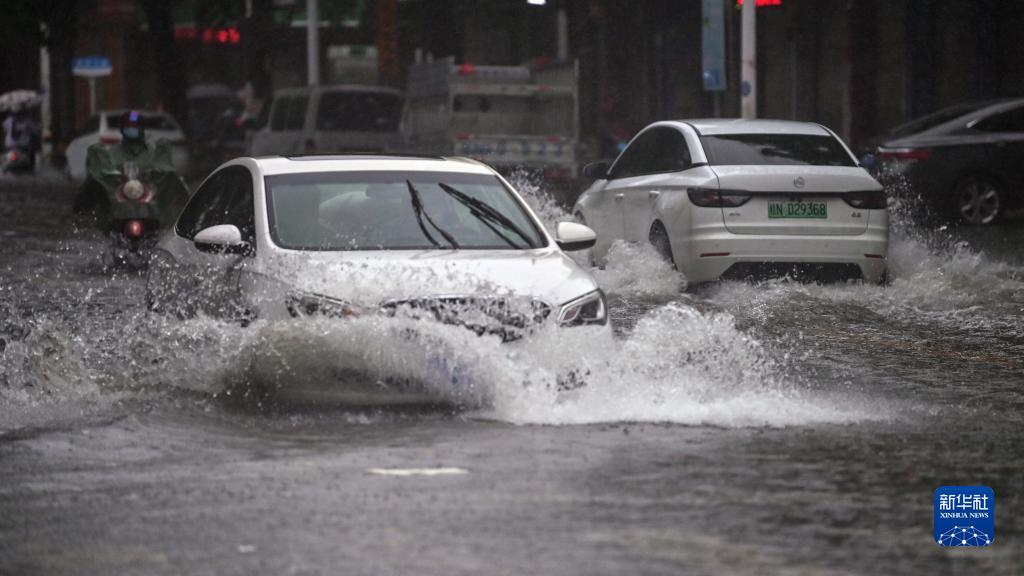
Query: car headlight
(586,310)
(305,305)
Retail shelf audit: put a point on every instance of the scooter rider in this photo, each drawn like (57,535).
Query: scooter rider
(106,168)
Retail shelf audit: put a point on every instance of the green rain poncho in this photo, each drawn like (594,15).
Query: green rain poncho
(105,166)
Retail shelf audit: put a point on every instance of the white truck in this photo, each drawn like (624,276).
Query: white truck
(506,116)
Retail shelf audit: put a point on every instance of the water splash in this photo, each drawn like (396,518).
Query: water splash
(678,364)
(639,272)
(632,271)
(934,277)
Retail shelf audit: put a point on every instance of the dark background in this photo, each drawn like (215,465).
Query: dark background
(857,66)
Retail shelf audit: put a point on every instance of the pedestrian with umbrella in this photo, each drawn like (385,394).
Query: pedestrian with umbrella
(22,138)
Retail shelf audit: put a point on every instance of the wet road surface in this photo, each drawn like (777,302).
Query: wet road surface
(772,429)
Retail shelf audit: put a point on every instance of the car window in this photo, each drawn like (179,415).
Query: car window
(225,198)
(673,152)
(91,126)
(264,116)
(775,149)
(279,115)
(148,121)
(238,202)
(377,211)
(1009,121)
(657,150)
(200,208)
(297,113)
(936,118)
(358,111)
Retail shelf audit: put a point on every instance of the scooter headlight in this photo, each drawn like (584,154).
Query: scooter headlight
(586,310)
(308,305)
(133,190)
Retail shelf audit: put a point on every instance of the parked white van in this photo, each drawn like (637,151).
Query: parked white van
(331,119)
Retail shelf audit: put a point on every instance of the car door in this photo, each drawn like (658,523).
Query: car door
(629,181)
(665,155)
(225,198)
(1006,147)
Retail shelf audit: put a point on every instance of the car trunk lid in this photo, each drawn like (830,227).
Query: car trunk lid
(795,200)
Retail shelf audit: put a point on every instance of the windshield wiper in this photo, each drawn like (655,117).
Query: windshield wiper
(484,212)
(417,207)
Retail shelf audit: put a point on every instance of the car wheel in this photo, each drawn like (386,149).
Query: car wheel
(979,201)
(659,239)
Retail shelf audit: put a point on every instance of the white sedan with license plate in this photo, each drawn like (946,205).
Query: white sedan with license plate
(742,199)
(343,237)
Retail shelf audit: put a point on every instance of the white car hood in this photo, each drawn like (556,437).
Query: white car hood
(368,278)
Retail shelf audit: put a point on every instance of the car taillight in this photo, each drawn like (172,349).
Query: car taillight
(714,198)
(866,200)
(134,228)
(906,154)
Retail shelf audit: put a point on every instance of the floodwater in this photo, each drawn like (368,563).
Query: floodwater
(768,428)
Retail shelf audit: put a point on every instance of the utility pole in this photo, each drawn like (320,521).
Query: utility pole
(748,60)
(44,89)
(312,42)
(562,20)
(387,42)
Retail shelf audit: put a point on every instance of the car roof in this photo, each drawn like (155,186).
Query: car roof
(299,90)
(719,126)
(922,129)
(271,165)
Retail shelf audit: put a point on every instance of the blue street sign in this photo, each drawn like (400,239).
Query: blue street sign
(713,44)
(91,66)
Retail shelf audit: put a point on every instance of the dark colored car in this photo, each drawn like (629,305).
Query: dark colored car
(966,160)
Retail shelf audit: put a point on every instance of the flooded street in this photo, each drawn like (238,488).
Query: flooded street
(776,428)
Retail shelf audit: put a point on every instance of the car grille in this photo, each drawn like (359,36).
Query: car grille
(509,318)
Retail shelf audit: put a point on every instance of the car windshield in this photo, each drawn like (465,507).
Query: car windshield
(358,111)
(396,210)
(785,149)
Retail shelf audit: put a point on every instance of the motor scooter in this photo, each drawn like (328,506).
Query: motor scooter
(139,201)
(17,161)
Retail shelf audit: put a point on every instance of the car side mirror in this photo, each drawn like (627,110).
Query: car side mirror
(597,170)
(222,239)
(572,236)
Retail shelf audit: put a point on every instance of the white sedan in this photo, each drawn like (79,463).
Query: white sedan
(105,127)
(738,199)
(351,237)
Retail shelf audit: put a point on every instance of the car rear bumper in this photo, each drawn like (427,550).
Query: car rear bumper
(710,256)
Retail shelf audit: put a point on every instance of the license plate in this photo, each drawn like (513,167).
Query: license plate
(797,210)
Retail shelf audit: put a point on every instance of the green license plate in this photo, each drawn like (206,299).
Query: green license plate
(797,210)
